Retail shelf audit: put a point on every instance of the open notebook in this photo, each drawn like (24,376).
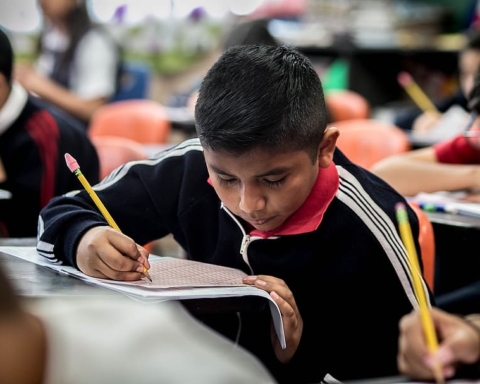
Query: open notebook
(173,279)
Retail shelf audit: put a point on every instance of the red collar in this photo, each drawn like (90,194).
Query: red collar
(309,216)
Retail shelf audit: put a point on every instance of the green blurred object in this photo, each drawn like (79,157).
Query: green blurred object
(336,76)
(167,63)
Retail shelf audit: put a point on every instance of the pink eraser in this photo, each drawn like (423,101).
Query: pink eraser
(404,78)
(71,162)
(399,206)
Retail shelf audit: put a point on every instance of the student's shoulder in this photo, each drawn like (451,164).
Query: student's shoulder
(355,178)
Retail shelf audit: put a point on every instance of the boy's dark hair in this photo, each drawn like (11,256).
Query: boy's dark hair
(6,56)
(261,96)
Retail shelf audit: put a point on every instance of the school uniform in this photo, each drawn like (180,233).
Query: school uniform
(93,71)
(119,341)
(340,254)
(33,142)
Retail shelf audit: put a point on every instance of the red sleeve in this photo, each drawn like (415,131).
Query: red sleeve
(456,151)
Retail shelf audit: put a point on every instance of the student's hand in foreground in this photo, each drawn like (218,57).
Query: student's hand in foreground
(106,253)
(292,320)
(459,343)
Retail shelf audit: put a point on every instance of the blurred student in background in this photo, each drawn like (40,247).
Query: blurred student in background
(459,346)
(468,62)
(451,165)
(114,340)
(78,62)
(33,141)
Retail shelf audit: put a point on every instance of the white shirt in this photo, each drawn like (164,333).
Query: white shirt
(121,341)
(94,67)
(13,106)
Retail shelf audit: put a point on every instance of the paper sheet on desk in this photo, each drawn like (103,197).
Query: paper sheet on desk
(451,201)
(173,279)
(451,124)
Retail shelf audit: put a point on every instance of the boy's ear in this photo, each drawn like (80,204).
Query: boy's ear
(327,146)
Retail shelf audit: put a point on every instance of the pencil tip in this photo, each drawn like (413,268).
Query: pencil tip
(147,275)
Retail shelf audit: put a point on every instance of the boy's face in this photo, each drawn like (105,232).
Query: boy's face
(265,188)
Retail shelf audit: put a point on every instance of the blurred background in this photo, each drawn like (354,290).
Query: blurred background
(179,39)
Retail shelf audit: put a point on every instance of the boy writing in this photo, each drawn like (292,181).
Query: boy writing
(263,189)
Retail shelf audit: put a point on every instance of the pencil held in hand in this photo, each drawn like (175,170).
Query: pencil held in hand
(416,93)
(425,316)
(75,168)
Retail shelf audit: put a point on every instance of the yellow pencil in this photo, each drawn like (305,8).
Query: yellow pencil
(416,93)
(427,322)
(75,168)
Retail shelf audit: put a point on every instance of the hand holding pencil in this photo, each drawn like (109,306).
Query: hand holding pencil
(459,343)
(416,93)
(96,257)
(419,290)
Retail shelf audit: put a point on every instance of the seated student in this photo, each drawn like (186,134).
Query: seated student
(33,141)
(459,345)
(78,62)
(468,62)
(447,166)
(262,189)
(60,340)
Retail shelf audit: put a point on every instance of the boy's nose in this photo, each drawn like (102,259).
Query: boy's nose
(251,200)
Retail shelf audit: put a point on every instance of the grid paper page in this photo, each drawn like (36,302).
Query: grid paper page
(170,272)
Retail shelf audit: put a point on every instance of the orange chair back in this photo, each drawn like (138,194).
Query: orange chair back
(114,151)
(346,105)
(145,121)
(426,239)
(367,141)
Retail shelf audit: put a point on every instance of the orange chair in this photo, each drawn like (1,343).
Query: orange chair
(144,121)
(427,245)
(366,141)
(114,151)
(346,105)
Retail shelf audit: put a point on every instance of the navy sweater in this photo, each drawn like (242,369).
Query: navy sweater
(32,150)
(349,277)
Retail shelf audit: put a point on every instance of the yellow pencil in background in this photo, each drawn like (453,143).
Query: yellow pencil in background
(427,322)
(416,93)
(75,168)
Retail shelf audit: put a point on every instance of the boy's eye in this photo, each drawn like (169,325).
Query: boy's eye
(223,181)
(274,183)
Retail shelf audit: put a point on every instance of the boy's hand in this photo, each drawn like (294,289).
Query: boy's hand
(292,320)
(108,254)
(459,342)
